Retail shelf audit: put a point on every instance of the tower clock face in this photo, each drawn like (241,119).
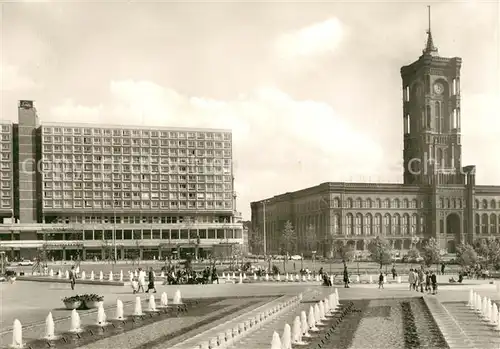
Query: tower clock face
(438,88)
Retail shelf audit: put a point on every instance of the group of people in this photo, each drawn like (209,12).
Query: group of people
(139,282)
(190,276)
(422,280)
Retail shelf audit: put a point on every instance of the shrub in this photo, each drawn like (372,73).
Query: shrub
(275,269)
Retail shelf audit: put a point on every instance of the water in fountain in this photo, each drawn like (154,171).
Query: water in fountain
(164,300)
(278,277)
(152,303)
(286,337)
(244,276)
(110,276)
(489,311)
(327,306)
(478,303)
(254,277)
(303,324)
(276,341)
(121,275)
(92,275)
(83,275)
(311,320)
(497,327)
(51,273)
(267,277)
(297,331)
(101,276)
(337,297)
(177,297)
(119,310)
(17,334)
(470,304)
(234,276)
(138,306)
(494,314)
(49,327)
(76,325)
(322,310)
(66,274)
(101,315)
(130,277)
(162,274)
(484,307)
(241,279)
(317,315)
(136,273)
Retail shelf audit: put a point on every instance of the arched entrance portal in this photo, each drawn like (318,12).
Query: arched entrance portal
(453,227)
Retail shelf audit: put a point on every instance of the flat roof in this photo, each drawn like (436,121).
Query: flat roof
(132,127)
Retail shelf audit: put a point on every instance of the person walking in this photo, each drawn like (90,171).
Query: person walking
(381,280)
(346,277)
(393,271)
(411,279)
(141,280)
(72,277)
(434,283)
(151,279)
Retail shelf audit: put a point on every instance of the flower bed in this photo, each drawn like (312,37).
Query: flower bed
(84,301)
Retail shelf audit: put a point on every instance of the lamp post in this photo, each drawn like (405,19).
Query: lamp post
(115,255)
(264,230)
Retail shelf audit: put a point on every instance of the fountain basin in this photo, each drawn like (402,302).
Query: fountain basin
(91,304)
(73,305)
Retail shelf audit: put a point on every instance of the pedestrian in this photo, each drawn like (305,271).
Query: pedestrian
(427,282)
(381,280)
(346,278)
(421,280)
(151,279)
(215,277)
(141,280)
(411,279)
(393,271)
(434,283)
(72,277)
(443,266)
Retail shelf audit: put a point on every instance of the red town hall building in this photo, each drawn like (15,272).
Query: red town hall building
(438,198)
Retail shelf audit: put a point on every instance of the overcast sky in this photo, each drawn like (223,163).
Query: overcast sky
(312,91)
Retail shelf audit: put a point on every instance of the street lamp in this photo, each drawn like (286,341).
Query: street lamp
(114,231)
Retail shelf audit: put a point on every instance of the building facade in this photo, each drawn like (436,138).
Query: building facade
(438,198)
(98,191)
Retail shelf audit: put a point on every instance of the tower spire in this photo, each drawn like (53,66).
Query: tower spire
(430,49)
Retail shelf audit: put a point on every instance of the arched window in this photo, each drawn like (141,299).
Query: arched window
(421,225)
(485,204)
(336,202)
(387,224)
(428,116)
(378,203)
(453,203)
(396,221)
(359,203)
(397,203)
(349,223)
(369,203)
(493,224)
(476,204)
(459,203)
(437,113)
(406,224)
(441,202)
(359,224)
(377,224)
(387,203)
(477,221)
(336,225)
(484,223)
(493,204)
(405,203)
(414,203)
(414,219)
(439,157)
(368,224)
(349,203)
(447,201)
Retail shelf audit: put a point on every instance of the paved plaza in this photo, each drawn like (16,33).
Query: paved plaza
(380,316)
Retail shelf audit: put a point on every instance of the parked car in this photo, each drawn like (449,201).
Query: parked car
(296,257)
(25,263)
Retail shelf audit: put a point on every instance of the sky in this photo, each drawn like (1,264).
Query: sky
(311,91)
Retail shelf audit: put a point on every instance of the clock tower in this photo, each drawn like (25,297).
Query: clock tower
(431,118)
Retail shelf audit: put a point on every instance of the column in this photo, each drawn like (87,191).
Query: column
(141,253)
(84,254)
(64,253)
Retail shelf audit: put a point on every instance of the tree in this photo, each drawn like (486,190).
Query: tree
(256,241)
(288,238)
(413,254)
(380,251)
(466,255)
(431,252)
(489,250)
(346,252)
(328,244)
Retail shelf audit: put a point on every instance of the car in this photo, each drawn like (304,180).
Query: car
(25,263)
(296,257)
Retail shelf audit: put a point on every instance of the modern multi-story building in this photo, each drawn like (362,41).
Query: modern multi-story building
(96,190)
(438,198)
